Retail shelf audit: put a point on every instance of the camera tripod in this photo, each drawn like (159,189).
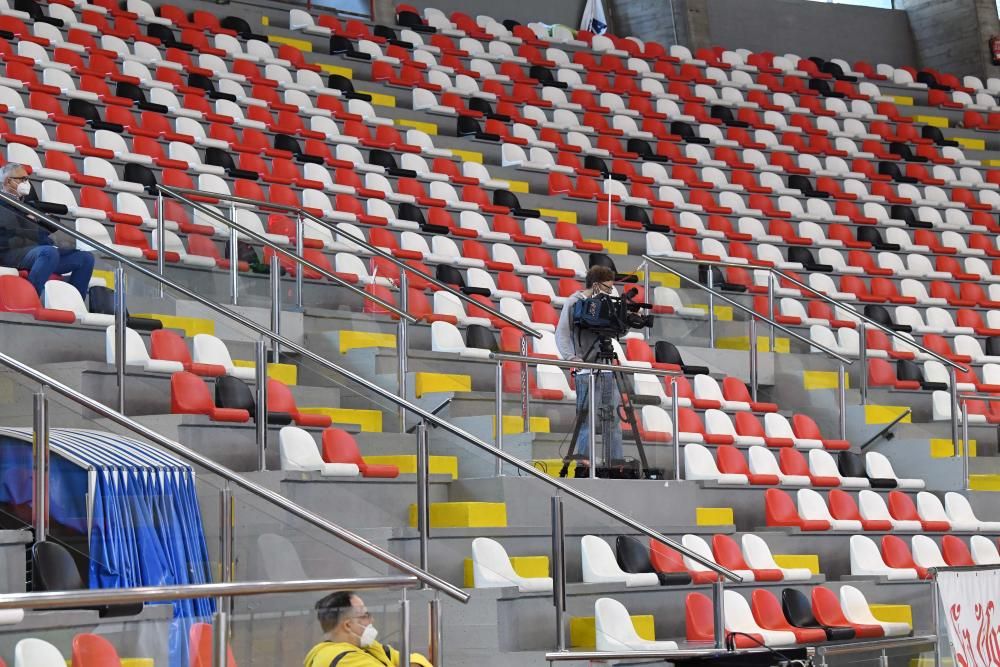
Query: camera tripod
(606,355)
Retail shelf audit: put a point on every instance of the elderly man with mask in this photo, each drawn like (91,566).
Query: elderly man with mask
(350,637)
(25,241)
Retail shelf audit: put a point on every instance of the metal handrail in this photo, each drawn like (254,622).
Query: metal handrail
(874,645)
(821,295)
(539,361)
(403,266)
(677,654)
(232,476)
(109,596)
(749,311)
(298,259)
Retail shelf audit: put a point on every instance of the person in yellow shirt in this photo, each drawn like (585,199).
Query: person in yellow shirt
(350,637)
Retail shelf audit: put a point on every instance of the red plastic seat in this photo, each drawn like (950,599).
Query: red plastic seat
(780,510)
(280,399)
(902,508)
(767,612)
(733,389)
(688,421)
(339,446)
(792,462)
(804,427)
(168,346)
(665,559)
(896,553)
(95,651)
(826,609)
(200,647)
(842,506)
(189,395)
(728,554)
(882,374)
(17,295)
(730,460)
(748,424)
(955,552)
(700,626)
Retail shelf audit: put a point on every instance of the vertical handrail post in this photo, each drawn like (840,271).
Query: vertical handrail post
(644,267)
(754,359)
(770,307)
(525,394)
(711,307)
(939,631)
(592,422)
(436,641)
(606,184)
(863,358)
(220,633)
(675,438)
(227,519)
(404,630)
(842,399)
(719,613)
(234,258)
(299,250)
(40,450)
(953,393)
(275,275)
(965,444)
(559,571)
(498,408)
(121,321)
(423,495)
(160,238)
(260,376)
(402,347)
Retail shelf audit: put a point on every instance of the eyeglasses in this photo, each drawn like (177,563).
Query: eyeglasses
(18,179)
(367,616)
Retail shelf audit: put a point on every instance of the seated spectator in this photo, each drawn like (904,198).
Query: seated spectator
(26,241)
(349,637)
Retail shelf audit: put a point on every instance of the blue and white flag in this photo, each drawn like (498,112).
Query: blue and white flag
(593,18)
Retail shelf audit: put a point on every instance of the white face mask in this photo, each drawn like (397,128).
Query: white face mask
(368,636)
(23,188)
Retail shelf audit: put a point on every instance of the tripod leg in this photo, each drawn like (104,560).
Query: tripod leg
(633,423)
(580,416)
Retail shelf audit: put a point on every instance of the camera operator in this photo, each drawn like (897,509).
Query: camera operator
(578,344)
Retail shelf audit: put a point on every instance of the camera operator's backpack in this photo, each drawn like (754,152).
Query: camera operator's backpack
(593,313)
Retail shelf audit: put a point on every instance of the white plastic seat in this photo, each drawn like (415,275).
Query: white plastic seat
(32,652)
(941,409)
(878,466)
(718,422)
(96,231)
(173,243)
(762,462)
(504,253)
(984,551)
(136,354)
(812,507)
(777,426)
(698,545)
(553,378)
(445,337)
(516,309)
(667,296)
(867,561)
(706,387)
(758,556)
(821,464)
(491,568)
(962,517)
(210,350)
(739,618)
(872,507)
(930,508)
(700,465)
(856,610)
(63,296)
(298,451)
(926,552)
(449,304)
(599,566)
(615,631)
(968,345)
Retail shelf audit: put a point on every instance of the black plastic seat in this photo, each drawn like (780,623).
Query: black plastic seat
(805,186)
(197,80)
(55,569)
(476,335)
(545,77)
(601,259)
(633,557)
(872,235)
(798,612)
(725,114)
(387,161)
(89,112)
(931,81)
(597,164)
(993,346)
(141,174)
(510,200)
(242,27)
(344,85)
(342,46)
(805,257)
(510,24)
(412,20)
(412,213)
(687,133)
(167,37)
(851,464)
(286,142)
(881,315)
(223,158)
(667,353)
(836,71)
(906,214)
(823,87)
(450,275)
(892,170)
(935,135)
(469,127)
(642,148)
(234,393)
(903,150)
(719,281)
(102,300)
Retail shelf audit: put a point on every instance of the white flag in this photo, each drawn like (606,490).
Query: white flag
(593,18)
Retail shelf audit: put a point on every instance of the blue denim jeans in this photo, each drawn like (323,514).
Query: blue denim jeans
(607,401)
(44,260)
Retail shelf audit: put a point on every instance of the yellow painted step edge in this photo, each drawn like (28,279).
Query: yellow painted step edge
(524,566)
(884,414)
(943,448)
(287,373)
(432,383)
(807,561)
(984,482)
(512,425)
(893,613)
(407,463)
(369,421)
(813,380)
(583,630)
(464,515)
(714,516)
(189,325)
(353,340)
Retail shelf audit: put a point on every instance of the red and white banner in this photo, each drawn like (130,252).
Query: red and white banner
(971,612)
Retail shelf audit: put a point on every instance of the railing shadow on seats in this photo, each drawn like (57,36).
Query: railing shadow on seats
(425,417)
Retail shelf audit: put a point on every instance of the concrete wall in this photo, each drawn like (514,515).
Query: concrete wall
(812,29)
(566,12)
(946,33)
